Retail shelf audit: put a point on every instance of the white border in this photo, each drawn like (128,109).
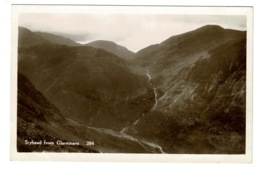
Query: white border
(132,157)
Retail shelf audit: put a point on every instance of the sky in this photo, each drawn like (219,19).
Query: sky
(134,31)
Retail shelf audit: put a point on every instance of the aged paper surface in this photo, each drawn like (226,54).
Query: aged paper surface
(131,83)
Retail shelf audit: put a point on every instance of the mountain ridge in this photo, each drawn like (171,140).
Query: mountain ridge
(26,38)
(29,38)
(112,47)
(57,39)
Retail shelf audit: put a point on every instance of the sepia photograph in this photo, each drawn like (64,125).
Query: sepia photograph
(132,80)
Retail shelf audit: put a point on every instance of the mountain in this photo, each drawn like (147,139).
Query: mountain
(26,38)
(112,47)
(200,81)
(186,94)
(89,85)
(56,39)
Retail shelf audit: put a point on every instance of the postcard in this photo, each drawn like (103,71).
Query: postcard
(131,83)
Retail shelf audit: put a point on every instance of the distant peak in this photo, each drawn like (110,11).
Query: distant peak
(211,27)
(102,41)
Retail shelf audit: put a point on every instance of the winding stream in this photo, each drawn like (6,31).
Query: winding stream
(125,129)
(149,146)
(154,90)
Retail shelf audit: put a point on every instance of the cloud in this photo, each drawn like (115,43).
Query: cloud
(134,31)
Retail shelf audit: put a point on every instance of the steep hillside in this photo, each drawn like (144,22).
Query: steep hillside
(200,78)
(39,120)
(112,47)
